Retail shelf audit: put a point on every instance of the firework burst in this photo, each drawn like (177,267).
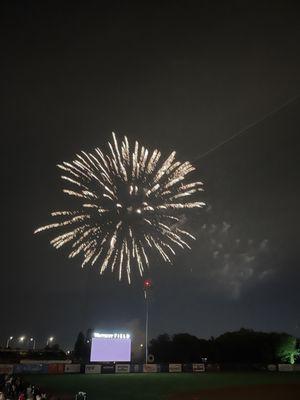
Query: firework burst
(129,203)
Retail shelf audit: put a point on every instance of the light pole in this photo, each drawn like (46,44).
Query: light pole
(33,343)
(49,340)
(9,340)
(147,286)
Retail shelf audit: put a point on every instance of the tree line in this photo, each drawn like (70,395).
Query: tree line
(243,346)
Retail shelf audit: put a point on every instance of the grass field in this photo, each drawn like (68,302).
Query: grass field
(200,386)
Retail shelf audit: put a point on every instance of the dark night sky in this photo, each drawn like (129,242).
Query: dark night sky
(177,75)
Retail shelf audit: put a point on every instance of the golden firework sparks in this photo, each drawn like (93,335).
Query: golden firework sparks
(128,204)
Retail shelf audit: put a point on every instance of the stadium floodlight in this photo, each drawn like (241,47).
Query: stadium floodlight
(33,342)
(49,340)
(22,338)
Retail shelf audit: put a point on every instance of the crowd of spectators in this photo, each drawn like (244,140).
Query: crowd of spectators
(14,388)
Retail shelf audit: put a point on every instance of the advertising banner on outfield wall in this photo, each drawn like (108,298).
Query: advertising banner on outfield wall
(212,367)
(26,361)
(107,369)
(150,368)
(122,368)
(6,368)
(30,369)
(198,368)
(135,368)
(92,369)
(285,367)
(175,368)
(72,368)
(56,368)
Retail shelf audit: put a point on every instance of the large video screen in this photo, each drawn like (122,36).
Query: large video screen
(110,348)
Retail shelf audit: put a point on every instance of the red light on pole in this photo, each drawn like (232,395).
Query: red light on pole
(147,284)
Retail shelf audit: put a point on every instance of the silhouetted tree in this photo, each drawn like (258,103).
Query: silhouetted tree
(186,348)
(88,344)
(79,347)
(183,348)
(244,346)
(161,348)
(89,334)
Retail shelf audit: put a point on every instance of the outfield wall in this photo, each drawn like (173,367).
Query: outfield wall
(115,368)
(124,368)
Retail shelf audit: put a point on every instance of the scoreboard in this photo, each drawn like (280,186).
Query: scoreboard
(109,347)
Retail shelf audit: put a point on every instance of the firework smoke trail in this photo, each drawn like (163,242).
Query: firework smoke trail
(129,203)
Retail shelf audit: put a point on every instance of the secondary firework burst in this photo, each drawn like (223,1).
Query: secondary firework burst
(129,204)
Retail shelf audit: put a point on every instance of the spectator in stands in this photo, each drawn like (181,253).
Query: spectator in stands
(29,392)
